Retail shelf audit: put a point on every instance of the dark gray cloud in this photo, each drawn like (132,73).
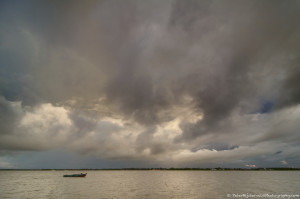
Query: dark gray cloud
(291,93)
(8,117)
(166,78)
(261,32)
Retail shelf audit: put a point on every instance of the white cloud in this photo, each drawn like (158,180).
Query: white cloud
(283,162)
(47,126)
(45,116)
(250,165)
(6,165)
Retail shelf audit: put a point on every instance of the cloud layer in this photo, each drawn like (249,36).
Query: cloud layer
(197,83)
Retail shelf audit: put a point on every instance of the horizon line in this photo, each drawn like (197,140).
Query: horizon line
(161,168)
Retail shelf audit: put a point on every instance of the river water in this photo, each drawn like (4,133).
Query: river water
(150,184)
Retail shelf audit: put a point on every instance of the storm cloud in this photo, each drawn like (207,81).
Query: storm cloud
(172,82)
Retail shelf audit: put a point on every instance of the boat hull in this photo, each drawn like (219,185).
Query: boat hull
(76,175)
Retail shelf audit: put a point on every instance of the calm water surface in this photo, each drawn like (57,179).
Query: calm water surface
(146,184)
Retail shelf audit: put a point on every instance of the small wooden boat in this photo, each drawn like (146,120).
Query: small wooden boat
(76,175)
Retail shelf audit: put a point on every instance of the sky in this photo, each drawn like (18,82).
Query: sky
(118,84)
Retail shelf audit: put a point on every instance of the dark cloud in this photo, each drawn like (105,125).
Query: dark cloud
(9,116)
(144,139)
(165,76)
(291,92)
(82,124)
(260,33)
(137,97)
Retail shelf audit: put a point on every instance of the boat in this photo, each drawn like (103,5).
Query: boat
(76,175)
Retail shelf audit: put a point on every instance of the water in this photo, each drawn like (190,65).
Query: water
(146,184)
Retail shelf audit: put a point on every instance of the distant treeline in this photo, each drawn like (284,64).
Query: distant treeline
(180,169)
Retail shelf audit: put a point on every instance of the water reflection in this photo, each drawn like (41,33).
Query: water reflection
(146,184)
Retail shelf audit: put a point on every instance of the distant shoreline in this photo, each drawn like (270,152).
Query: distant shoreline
(163,169)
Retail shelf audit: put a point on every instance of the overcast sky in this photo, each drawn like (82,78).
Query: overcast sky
(114,83)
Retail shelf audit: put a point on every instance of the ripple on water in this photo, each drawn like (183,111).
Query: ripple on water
(146,184)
